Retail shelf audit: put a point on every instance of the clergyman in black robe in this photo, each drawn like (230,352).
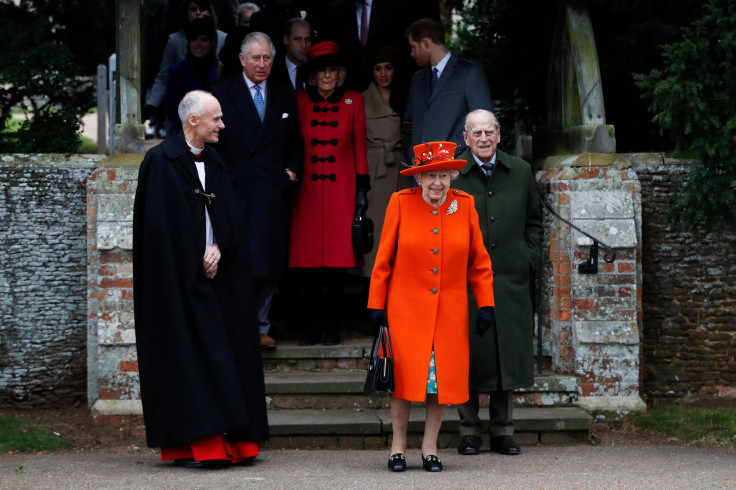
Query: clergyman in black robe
(199,359)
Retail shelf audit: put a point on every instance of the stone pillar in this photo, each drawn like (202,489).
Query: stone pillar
(576,116)
(129,135)
(595,319)
(112,367)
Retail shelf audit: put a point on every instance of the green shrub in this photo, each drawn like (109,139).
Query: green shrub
(694,101)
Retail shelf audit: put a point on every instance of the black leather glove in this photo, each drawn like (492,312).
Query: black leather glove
(485,320)
(377,317)
(361,203)
(362,186)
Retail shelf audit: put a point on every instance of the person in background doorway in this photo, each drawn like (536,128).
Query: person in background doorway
(334,189)
(262,149)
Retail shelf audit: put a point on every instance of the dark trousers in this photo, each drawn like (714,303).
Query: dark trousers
(322,291)
(500,409)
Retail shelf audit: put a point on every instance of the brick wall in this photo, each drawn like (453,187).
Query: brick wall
(43,279)
(689,299)
(113,367)
(593,320)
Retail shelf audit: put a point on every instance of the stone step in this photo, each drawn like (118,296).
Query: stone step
(344,389)
(346,428)
(289,356)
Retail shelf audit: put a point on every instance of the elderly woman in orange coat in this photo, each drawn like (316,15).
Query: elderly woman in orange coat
(431,248)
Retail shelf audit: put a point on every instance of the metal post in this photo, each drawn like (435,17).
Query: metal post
(101,109)
(112,100)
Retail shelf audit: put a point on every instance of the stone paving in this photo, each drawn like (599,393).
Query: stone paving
(554,467)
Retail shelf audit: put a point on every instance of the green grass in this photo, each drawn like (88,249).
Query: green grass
(17,434)
(696,426)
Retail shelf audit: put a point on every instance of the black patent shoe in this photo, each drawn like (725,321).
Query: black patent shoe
(331,338)
(397,462)
(188,463)
(431,463)
(505,445)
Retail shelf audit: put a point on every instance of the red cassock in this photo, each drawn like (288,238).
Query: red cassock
(335,152)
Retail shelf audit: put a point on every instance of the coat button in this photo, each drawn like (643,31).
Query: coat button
(493,219)
(493,246)
(435,251)
(434,290)
(435,212)
(490,193)
(435,231)
(435,271)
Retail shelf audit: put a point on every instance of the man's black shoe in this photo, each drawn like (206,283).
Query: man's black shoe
(188,463)
(469,445)
(505,445)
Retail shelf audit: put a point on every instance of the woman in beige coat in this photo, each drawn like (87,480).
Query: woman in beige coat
(384,105)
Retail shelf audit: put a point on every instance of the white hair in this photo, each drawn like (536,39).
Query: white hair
(193,103)
(256,37)
(478,112)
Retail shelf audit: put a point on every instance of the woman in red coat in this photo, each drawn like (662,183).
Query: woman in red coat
(431,248)
(336,181)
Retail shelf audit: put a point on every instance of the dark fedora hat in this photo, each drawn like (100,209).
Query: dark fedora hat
(319,56)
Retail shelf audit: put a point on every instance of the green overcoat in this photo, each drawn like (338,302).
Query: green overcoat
(511,223)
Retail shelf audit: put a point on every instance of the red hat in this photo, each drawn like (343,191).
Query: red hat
(436,155)
(321,55)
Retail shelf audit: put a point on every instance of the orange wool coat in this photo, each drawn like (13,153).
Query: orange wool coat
(425,261)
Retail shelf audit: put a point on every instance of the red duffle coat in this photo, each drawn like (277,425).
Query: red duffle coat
(335,152)
(425,261)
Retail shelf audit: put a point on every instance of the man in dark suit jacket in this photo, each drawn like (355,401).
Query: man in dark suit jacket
(297,40)
(436,108)
(261,147)
(386,21)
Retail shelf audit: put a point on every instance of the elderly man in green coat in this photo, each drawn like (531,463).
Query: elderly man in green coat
(511,222)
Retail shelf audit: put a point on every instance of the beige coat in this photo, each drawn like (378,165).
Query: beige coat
(384,155)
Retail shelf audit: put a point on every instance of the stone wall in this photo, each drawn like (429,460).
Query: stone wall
(43,287)
(66,330)
(689,296)
(593,319)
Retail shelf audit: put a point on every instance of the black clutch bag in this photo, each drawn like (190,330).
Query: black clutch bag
(380,378)
(362,235)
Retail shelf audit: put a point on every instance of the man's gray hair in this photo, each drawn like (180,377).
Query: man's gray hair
(256,37)
(192,103)
(478,112)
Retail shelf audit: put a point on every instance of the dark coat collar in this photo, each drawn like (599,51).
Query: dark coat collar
(175,147)
(316,98)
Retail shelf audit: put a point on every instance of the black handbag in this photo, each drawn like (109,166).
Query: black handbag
(380,378)
(362,234)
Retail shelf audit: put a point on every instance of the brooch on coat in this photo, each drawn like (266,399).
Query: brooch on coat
(453,207)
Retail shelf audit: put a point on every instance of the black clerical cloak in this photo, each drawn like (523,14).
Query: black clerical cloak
(198,345)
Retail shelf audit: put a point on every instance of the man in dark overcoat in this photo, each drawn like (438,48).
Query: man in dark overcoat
(263,152)
(511,222)
(199,358)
